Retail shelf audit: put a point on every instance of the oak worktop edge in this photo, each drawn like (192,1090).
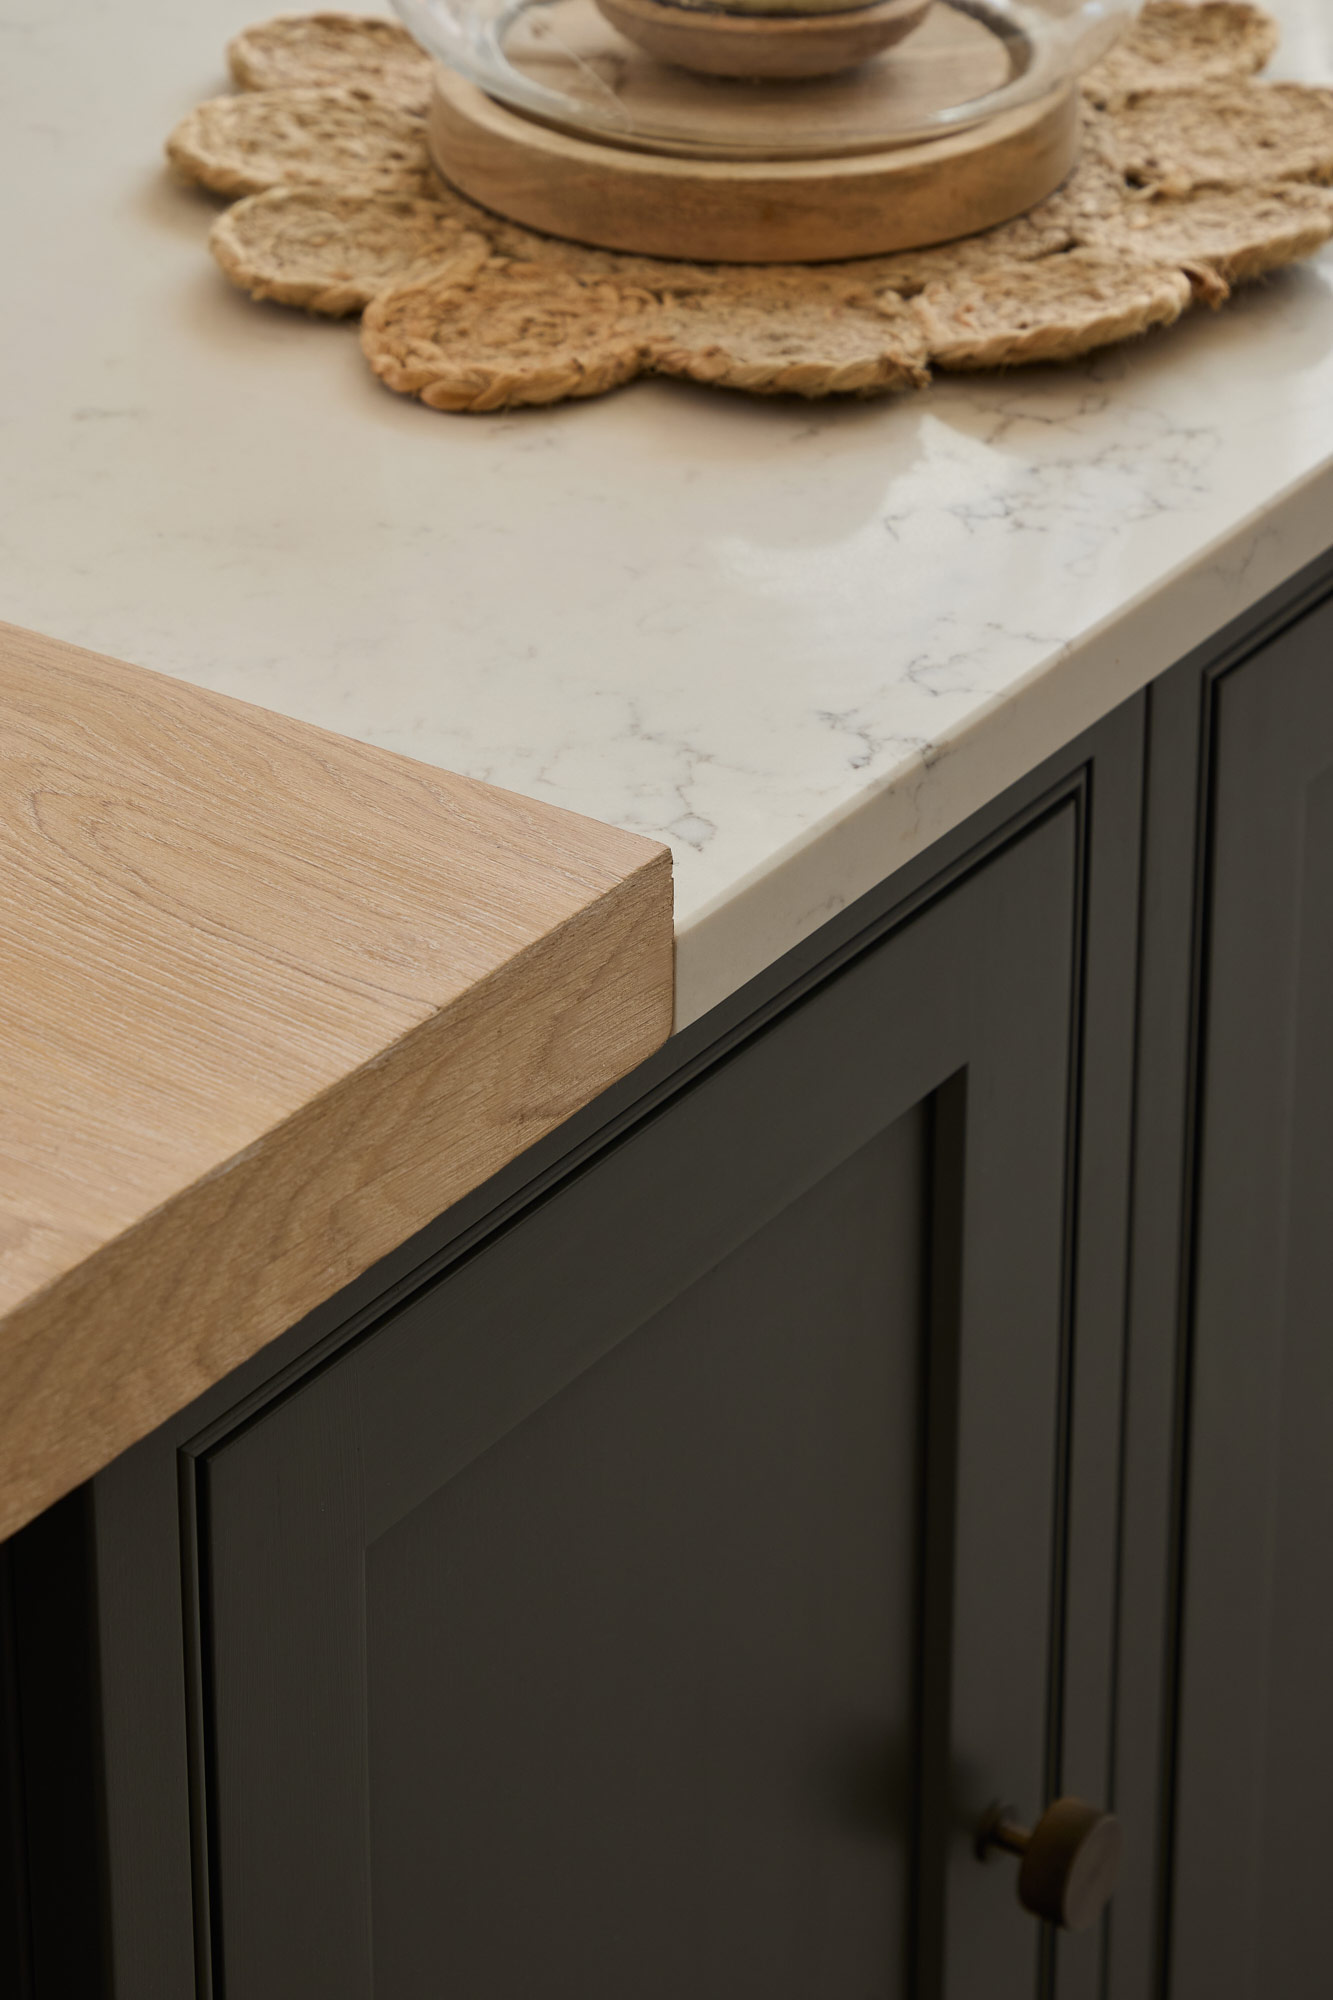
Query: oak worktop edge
(272,1001)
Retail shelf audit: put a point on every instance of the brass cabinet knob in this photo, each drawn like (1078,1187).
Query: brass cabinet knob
(1068,1862)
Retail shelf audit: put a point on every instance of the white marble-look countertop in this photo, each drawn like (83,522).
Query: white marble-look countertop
(796,642)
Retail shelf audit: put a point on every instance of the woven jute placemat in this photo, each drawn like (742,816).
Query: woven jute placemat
(1194,177)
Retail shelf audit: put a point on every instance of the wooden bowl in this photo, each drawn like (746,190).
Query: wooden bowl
(751,44)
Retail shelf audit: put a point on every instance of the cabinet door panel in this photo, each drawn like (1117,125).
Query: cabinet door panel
(656,1603)
(657,1643)
(1254,1842)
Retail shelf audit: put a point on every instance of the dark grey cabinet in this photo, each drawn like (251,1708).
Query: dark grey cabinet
(1253,1833)
(1224,1646)
(655,1605)
(649,1590)
(909,1393)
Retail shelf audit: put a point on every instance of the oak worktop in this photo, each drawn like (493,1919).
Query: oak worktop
(271,1001)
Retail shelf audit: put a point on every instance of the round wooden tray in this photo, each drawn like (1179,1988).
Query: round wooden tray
(790,211)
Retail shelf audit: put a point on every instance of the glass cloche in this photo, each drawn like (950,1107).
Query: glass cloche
(766,79)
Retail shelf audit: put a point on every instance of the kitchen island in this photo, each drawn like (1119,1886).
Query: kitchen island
(892,1398)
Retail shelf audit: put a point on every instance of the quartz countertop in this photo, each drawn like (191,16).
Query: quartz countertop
(795,642)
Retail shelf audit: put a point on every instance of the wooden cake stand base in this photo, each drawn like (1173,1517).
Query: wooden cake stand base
(793,211)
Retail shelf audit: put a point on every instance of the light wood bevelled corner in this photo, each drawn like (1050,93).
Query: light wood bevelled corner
(270,1001)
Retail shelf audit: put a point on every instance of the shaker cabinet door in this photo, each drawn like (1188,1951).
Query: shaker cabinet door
(653,1606)
(1253,1833)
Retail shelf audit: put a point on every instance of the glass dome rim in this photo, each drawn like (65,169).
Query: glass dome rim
(1062,51)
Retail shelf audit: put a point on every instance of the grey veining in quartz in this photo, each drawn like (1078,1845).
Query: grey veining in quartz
(796,642)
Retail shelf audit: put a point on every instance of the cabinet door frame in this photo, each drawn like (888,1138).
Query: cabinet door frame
(1168,1142)
(144,1505)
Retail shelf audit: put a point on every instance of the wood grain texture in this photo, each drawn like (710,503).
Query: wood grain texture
(750,211)
(271,1000)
